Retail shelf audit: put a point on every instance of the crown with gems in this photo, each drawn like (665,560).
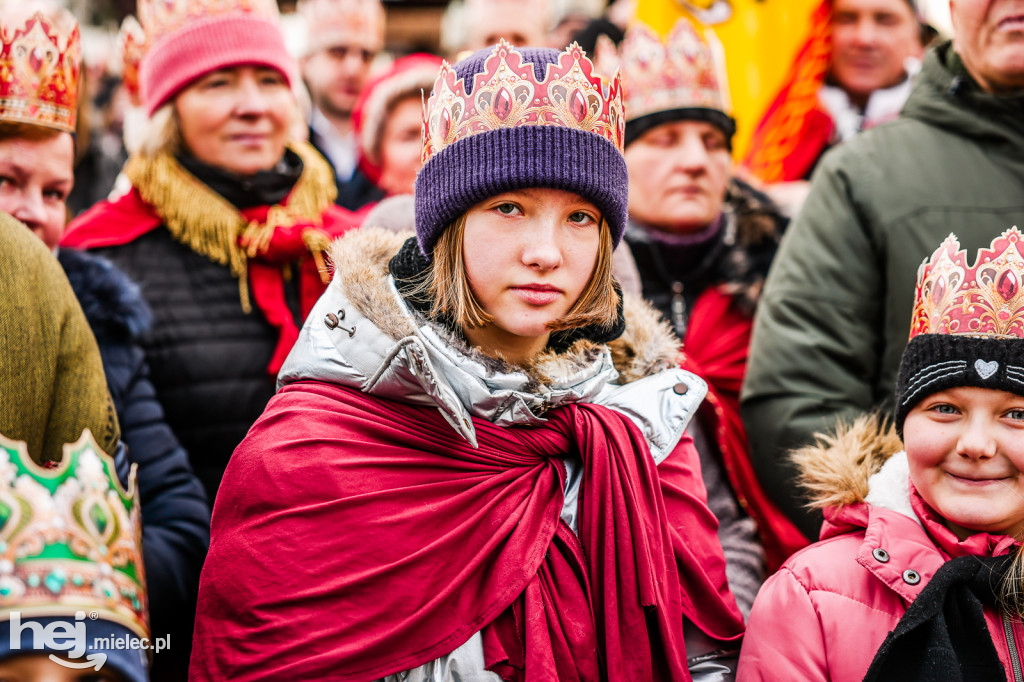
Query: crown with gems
(131,42)
(161,18)
(70,537)
(984,300)
(507,94)
(679,73)
(40,61)
(342,22)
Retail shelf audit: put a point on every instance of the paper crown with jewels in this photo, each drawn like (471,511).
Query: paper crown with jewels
(163,18)
(40,61)
(131,45)
(70,537)
(663,80)
(507,94)
(967,327)
(342,22)
(987,298)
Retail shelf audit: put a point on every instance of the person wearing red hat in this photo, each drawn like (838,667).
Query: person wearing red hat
(227,219)
(387,121)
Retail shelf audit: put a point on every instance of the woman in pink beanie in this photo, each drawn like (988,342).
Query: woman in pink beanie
(227,219)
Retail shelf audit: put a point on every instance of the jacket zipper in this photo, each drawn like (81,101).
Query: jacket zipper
(1011,643)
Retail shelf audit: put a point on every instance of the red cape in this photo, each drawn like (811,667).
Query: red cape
(114,223)
(716,349)
(355,537)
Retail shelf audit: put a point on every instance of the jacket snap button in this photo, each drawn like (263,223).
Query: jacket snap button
(680,388)
(881,556)
(331,321)
(911,577)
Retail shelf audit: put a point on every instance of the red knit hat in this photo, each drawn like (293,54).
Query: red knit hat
(410,75)
(187,39)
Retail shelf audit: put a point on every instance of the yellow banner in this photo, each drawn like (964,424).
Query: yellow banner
(760,38)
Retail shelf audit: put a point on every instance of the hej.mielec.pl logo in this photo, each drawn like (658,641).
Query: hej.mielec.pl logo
(70,637)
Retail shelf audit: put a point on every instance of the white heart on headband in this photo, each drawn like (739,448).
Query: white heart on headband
(986,369)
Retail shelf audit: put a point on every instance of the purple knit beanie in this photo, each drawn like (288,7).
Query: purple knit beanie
(483,144)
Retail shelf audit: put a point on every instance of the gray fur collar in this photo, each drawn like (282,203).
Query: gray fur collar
(362,334)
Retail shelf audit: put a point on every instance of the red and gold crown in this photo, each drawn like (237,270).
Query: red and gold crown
(131,42)
(40,61)
(986,299)
(342,22)
(679,73)
(507,94)
(160,18)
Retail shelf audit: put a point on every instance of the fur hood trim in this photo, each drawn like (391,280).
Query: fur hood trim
(835,471)
(759,227)
(112,303)
(361,258)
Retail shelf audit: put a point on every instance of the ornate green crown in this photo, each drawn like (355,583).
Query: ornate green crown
(70,537)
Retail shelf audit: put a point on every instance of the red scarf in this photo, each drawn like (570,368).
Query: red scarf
(716,347)
(355,537)
(128,218)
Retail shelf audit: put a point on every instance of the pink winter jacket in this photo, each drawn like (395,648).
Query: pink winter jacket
(824,614)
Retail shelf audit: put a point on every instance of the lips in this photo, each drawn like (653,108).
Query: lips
(537,294)
(1011,23)
(975,480)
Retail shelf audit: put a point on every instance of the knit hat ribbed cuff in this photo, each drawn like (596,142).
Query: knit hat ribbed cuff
(936,362)
(640,125)
(206,45)
(505,159)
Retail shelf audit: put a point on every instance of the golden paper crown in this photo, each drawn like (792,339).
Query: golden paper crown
(986,299)
(131,42)
(679,73)
(40,61)
(161,18)
(507,94)
(342,22)
(70,537)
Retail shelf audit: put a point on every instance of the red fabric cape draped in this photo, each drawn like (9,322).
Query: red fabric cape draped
(128,218)
(716,348)
(355,537)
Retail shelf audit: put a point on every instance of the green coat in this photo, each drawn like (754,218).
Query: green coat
(835,315)
(52,385)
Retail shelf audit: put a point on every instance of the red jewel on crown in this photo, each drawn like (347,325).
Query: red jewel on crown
(984,299)
(507,94)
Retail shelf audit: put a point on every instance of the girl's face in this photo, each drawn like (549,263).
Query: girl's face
(237,119)
(965,446)
(528,256)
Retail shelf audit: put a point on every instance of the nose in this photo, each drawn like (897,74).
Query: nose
(976,440)
(692,155)
(541,248)
(865,33)
(252,100)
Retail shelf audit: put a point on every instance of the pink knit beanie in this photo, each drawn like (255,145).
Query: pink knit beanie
(202,43)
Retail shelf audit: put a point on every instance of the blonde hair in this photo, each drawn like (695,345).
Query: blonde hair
(445,282)
(1011,589)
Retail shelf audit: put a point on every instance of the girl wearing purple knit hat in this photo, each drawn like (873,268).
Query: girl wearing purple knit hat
(475,466)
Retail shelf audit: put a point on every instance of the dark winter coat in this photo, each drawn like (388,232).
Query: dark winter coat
(835,316)
(176,516)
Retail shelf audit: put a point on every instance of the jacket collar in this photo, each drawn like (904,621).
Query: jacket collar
(905,542)
(362,334)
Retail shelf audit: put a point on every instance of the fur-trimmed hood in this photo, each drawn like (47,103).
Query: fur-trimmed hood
(112,303)
(363,334)
(836,470)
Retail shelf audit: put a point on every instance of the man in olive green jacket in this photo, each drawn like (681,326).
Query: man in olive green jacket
(835,315)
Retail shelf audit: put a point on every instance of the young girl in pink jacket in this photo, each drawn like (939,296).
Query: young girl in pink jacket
(918,573)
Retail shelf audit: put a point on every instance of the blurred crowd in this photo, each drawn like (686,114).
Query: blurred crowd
(259,271)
